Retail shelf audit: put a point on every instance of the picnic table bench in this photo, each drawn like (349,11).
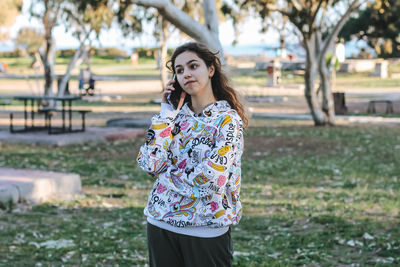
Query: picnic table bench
(5,102)
(372,109)
(50,111)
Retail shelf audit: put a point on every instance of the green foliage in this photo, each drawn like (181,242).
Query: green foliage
(13,54)
(112,52)
(30,39)
(65,53)
(9,10)
(146,52)
(379,25)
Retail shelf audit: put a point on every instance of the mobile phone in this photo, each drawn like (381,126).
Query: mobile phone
(175,95)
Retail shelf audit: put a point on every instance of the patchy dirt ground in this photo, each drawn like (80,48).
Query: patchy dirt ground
(258,147)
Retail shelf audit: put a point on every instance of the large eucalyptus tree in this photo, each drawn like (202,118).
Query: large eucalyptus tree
(79,17)
(83,20)
(318,22)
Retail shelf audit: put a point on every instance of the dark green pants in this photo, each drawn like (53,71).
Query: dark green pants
(169,249)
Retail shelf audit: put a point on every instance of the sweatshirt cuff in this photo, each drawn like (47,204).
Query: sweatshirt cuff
(168,111)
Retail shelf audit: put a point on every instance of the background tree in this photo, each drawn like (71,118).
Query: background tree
(83,20)
(318,22)
(47,11)
(29,39)
(379,25)
(9,10)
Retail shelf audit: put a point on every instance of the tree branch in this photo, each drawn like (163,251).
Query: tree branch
(177,17)
(204,34)
(331,37)
(315,12)
(298,5)
(210,16)
(274,8)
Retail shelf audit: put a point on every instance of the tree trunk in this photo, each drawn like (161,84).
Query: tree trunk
(323,68)
(48,55)
(326,87)
(163,51)
(79,55)
(310,77)
(48,60)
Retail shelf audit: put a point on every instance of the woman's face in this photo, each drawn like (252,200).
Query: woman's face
(193,74)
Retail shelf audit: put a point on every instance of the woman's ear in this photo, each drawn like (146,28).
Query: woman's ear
(211,70)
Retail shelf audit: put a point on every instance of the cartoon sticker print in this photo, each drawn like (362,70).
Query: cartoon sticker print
(197,166)
(166,132)
(176,209)
(159,126)
(149,136)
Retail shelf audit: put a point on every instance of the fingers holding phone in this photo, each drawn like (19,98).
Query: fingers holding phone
(168,90)
(181,100)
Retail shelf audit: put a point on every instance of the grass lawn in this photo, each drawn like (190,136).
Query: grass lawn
(312,197)
(249,77)
(147,69)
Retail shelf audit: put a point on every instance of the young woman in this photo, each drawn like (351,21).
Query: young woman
(194,153)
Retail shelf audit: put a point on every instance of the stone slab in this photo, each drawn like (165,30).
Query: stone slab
(8,192)
(96,134)
(36,186)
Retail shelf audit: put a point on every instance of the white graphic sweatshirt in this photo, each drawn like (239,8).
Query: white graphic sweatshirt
(196,162)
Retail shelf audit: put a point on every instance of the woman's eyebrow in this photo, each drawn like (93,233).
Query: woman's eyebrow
(187,63)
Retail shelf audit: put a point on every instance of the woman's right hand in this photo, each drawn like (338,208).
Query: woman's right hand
(168,90)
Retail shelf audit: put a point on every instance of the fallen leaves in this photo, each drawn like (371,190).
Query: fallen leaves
(53,244)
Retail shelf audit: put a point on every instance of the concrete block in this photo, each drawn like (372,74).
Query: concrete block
(38,186)
(8,192)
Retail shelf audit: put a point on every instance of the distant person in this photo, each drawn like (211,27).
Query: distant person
(364,54)
(134,58)
(194,151)
(3,67)
(81,84)
(90,89)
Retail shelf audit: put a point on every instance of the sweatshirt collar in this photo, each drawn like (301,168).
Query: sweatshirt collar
(211,110)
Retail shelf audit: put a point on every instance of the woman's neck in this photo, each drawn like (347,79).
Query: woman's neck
(199,103)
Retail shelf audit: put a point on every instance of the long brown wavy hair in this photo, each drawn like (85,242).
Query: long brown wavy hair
(219,81)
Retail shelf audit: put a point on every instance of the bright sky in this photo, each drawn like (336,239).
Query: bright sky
(114,38)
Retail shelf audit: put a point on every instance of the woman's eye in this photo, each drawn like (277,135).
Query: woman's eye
(194,66)
(179,71)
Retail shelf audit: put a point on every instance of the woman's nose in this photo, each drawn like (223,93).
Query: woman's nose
(187,73)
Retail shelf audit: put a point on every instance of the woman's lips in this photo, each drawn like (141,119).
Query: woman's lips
(188,82)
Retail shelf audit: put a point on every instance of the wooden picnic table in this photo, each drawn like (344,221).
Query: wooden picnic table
(34,105)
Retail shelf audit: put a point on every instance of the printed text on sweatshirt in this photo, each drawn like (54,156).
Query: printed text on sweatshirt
(196,162)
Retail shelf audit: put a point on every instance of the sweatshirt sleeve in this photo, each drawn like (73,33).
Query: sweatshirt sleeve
(221,165)
(153,154)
